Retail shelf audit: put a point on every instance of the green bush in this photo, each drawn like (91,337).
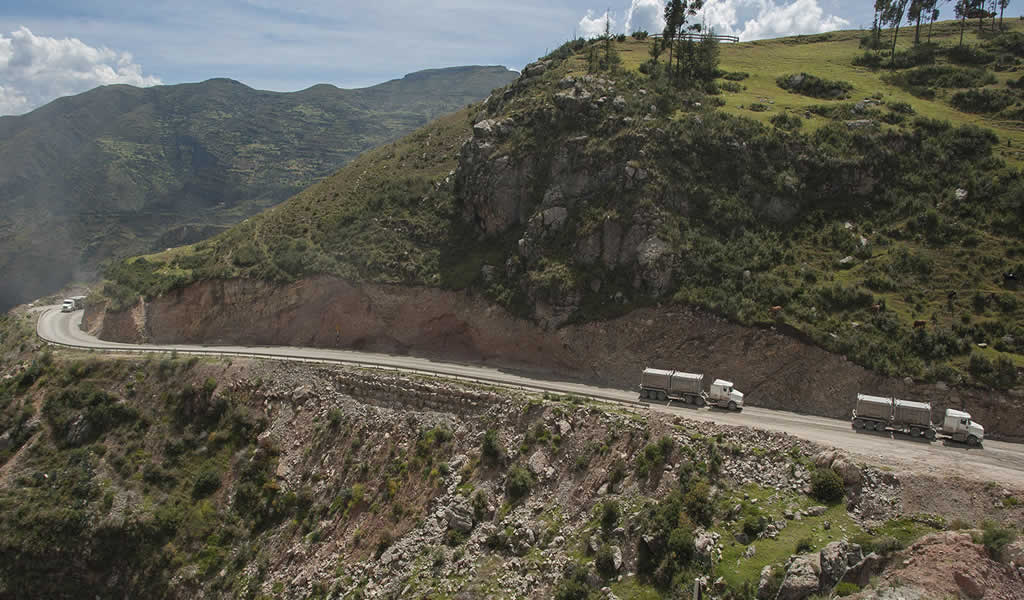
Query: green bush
(205,484)
(871,60)
(574,585)
(639,35)
(610,514)
(518,483)
(969,55)
(827,486)
(604,560)
(814,86)
(787,121)
(736,75)
(983,100)
(804,545)
(491,447)
(996,538)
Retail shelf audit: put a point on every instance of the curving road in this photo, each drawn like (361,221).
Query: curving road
(996,461)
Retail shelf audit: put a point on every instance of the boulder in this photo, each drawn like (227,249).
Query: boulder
(823,460)
(616,558)
(861,572)
(835,559)
(765,589)
(460,516)
(815,511)
(552,218)
(535,69)
(802,578)
(538,463)
(301,393)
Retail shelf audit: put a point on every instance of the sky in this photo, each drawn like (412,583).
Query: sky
(53,48)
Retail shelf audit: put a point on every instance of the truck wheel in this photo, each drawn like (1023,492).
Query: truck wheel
(930,434)
(858,424)
(973,441)
(732,405)
(915,432)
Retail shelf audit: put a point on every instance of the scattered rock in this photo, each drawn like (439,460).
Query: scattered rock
(815,511)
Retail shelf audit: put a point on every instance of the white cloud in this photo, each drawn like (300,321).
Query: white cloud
(646,15)
(592,26)
(748,19)
(36,69)
(771,19)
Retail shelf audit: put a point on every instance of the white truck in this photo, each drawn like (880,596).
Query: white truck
(662,385)
(72,304)
(877,413)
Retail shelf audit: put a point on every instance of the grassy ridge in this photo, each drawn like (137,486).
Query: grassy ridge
(887,242)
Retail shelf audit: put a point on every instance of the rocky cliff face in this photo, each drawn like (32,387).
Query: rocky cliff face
(773,369)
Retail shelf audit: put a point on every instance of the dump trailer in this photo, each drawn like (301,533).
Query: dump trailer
(878,413)
(662,385)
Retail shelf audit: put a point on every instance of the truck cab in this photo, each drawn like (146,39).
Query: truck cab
(68,306)
(958,425)
(724,395)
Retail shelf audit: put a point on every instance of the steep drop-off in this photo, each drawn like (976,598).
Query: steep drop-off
(775,370)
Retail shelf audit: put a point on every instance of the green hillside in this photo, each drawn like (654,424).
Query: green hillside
(118,169)
(880,221)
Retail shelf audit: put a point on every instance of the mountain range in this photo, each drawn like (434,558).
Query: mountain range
(119,169)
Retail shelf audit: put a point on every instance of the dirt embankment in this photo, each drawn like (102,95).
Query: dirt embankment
(774,370)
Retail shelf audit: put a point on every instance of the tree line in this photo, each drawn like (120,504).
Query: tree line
(892,13)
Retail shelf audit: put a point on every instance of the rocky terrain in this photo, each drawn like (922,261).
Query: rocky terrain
(238,478)
(774,367)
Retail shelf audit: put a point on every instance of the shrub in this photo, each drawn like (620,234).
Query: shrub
(639,35)
(969,55)
(479,504)
(758,107)
(617,473)
(574,584)
(983,100)
(518,483)
(491,448)
(604,560)
(804,545)
(610,514)
(731,86)
(736,75)
(869,59)
(787,121)
(814,86)
(827,486)
(897,106)
(996,538)
(753,525)
(206,483)
(698,503)
(385,542)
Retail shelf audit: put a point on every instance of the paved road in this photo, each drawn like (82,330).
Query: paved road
(996,461)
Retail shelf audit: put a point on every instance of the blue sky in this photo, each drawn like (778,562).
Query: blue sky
(57,47)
